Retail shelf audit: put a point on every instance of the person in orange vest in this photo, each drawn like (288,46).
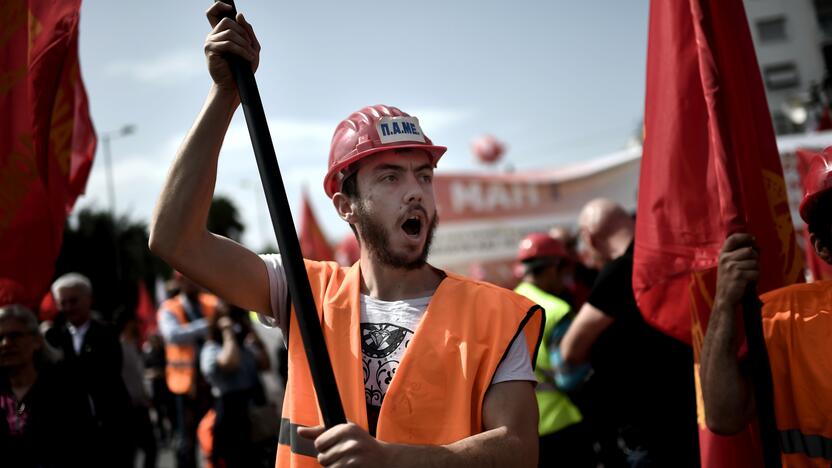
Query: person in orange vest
(183,323)
(432,367)
(797,325)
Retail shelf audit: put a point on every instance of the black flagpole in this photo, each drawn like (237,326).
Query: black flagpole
(761,379)
(329,400)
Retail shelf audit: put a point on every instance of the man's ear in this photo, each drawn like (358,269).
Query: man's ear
(822,250)
(344,206)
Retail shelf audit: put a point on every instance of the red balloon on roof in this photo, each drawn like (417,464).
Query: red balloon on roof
(487,149)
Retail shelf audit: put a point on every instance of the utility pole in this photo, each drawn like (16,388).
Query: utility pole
(106,137)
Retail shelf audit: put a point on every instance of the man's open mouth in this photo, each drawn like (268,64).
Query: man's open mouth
(412,226)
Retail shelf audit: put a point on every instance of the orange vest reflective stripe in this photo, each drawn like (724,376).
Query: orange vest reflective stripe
(181,358)
(797,323)
(437,394)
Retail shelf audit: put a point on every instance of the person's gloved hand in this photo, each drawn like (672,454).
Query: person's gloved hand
(568,377)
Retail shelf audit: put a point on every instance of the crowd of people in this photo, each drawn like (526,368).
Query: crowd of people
(609,389)
(85,390)
(432,368)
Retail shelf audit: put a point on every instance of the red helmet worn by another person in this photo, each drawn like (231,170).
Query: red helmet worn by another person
(538,245)
(369,131)
(817,181)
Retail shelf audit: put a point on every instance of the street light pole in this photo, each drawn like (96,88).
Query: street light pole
(106,137)
(108,167)
(111,188)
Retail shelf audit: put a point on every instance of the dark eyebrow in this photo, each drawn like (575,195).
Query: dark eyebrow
(400,168)
(388,167)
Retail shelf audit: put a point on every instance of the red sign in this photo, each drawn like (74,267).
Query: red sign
(483,216)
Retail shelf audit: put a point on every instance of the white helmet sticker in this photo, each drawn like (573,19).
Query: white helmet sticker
(394,129)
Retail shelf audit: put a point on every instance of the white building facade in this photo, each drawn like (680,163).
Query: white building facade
(791,45)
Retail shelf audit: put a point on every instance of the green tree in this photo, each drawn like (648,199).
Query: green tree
(224,219)
(114,255)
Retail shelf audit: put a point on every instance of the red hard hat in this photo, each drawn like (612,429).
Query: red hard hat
(369,131)
(817,181)
(537,245)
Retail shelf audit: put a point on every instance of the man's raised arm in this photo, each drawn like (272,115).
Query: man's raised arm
(178,232)
(726,388)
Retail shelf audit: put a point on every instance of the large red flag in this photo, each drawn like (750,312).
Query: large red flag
(47,140)
(710,167)
(313,243)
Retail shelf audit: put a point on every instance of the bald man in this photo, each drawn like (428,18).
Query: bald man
(642,388)
(582,277)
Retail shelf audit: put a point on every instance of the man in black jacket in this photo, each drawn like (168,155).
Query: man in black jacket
(92,353)
(642,389)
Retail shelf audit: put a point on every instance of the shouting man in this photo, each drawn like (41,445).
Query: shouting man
(432,368)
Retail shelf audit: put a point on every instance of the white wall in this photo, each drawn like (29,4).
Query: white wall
(802,45)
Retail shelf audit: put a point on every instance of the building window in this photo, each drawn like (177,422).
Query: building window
(781,76)
(772,29)
(824,13)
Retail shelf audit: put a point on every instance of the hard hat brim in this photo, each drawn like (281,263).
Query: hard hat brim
(331,183)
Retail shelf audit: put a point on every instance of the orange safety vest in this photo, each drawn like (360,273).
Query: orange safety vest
(181,358)
(797,323)
(437,394)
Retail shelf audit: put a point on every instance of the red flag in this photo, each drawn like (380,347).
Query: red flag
(710,167)
(48,310)
(347,252)
(313,243)
(47,140)
(145,313)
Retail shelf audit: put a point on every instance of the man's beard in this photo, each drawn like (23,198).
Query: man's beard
(374,235)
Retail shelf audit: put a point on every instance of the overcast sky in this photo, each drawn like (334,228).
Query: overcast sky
(559,81)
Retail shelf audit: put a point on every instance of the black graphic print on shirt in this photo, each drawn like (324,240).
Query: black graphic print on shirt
(383,345)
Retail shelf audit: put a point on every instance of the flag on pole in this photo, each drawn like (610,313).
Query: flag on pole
(710,168)
(313,243)
(47,141)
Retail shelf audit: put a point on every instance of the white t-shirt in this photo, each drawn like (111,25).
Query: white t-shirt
(386,330)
